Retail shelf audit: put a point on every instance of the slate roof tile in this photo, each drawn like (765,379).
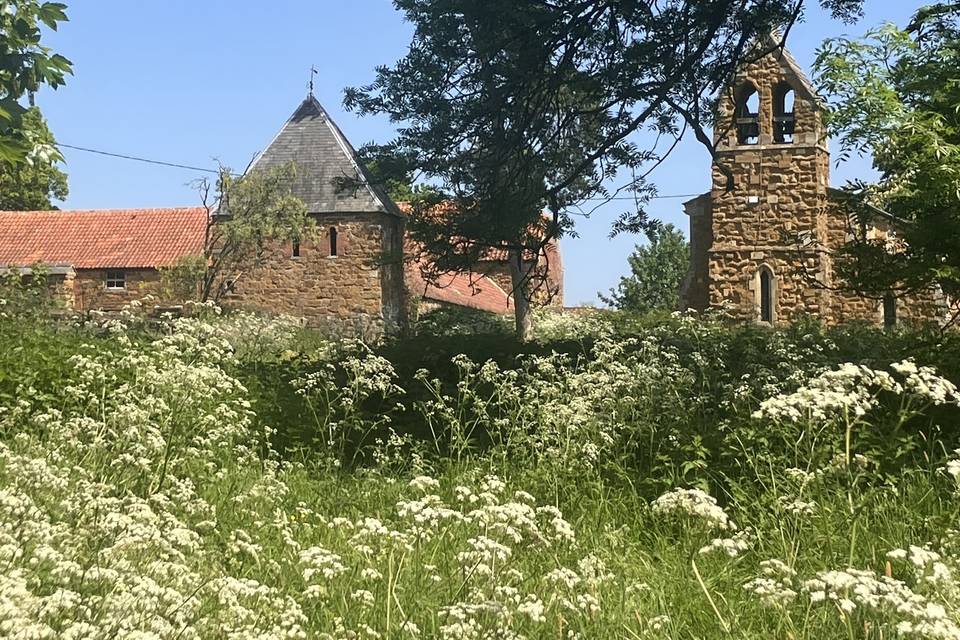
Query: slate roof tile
(323,155)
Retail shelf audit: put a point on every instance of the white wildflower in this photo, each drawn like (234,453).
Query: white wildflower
(694,503)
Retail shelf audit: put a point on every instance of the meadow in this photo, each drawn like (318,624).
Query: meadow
(234,476)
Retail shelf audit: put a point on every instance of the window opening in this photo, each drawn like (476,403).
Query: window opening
(748,115)
(116,280)
(784,117)
(766,296)
(889,311)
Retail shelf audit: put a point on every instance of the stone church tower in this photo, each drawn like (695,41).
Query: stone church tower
(761,239)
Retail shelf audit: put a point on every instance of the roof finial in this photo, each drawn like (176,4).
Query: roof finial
(313,72)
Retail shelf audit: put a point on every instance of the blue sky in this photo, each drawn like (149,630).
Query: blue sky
(195,81)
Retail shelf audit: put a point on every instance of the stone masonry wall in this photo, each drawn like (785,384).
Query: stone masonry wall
(351,293)
(776,216)
(924,306)
(735,284)
(695,291)
(89,289)
(778,193)
(59,289)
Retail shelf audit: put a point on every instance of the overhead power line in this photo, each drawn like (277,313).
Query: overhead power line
(676,195)
(177,165)
(147,160)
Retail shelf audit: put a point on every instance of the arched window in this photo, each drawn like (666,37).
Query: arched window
(747,114)
(333,242)
(889,310)
(784,117)
(295,249)
(766,294)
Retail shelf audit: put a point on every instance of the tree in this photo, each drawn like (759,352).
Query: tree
(657,271)
(895,95)
(25,66)
(244,215)
(389,168)
(513,108)
(33,184)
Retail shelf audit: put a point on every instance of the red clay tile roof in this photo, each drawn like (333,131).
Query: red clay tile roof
(469,290)
(150,238)
(102,238)
(551,251)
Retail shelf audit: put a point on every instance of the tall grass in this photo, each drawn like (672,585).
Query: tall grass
(231,477)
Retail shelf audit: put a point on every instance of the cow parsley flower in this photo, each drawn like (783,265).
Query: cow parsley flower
(693,503)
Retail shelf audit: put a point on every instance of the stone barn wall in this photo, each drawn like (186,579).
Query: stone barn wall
(89,289)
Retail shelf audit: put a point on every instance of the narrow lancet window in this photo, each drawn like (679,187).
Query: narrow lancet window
(766,295)
(295,249)
(333,242)
(889,311)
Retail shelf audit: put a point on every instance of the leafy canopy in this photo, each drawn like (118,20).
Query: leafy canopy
(393,170)
(896,95)
(244,215)
(33,184)
(510,108)
(25,66)
(657,271)
(513,107)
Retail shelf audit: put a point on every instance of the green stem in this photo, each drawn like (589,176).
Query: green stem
(706,592)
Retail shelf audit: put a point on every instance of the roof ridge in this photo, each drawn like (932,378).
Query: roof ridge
(388,204)
(322,149)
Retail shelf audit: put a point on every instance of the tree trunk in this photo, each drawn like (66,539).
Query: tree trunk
(520,280)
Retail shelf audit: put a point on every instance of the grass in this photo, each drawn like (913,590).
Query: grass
(232,477)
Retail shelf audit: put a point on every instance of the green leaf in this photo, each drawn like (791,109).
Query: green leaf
(50,13)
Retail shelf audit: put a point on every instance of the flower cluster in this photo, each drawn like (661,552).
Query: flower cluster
(694,504)
(733,546)
(928,610)
(105,530)
(851,391)
(776,586)
(852,589)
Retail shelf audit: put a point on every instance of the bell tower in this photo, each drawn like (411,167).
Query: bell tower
(766,211)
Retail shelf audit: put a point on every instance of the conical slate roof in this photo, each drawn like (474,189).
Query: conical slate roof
(324,158)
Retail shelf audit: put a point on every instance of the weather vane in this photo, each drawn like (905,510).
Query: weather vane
(313,72)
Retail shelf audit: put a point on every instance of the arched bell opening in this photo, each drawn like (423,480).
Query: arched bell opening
(747,114)
(784,115)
